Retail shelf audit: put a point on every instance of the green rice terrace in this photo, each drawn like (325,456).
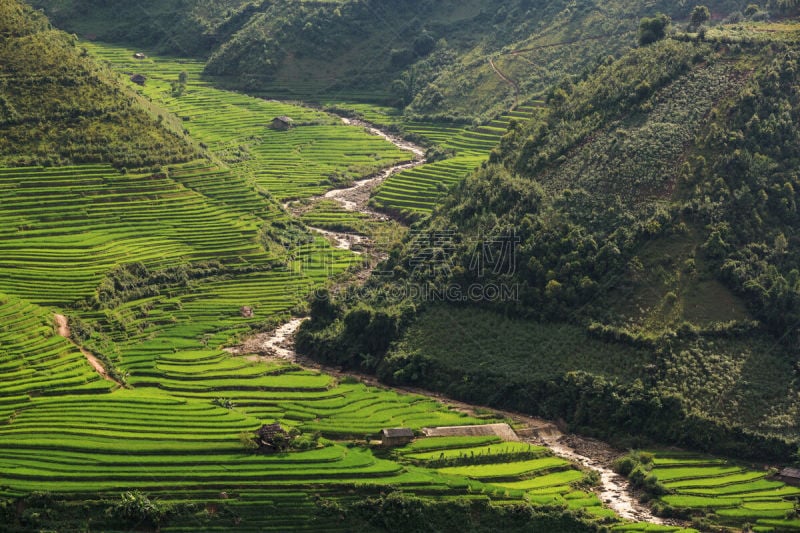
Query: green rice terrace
(153,273)
(152,269)
(413,193)
(319,152)
(711,490)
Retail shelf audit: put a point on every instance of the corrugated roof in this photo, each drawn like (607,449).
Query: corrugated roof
(270,430)
(397,432)
(791,472)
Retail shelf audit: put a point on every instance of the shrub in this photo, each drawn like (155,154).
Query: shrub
(653,29)
(624,465)
(136,507)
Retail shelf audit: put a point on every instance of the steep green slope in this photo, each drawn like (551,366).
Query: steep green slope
(57,106)
(650,211)
(172,26)
(465,59)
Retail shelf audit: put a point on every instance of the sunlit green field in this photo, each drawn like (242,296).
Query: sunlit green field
(414,193)
(731,494)
(318,153)
(508,470)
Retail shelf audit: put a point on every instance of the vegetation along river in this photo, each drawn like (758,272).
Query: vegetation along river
(614,490)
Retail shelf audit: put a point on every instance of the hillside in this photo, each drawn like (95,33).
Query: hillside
(176,27)
(611,244)
(458,59)
(58,107)
(646,216)
(119,288)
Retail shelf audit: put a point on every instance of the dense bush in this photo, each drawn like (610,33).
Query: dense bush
(397,512)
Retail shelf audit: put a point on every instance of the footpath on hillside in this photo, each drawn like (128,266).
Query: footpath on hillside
(62,325)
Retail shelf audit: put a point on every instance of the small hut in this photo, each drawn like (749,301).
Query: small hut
(790,476)
(139,55)
(281,123)
(272,438)
(396,437)
(138,79)
(246,311)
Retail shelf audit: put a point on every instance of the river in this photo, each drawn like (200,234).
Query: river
(614,490)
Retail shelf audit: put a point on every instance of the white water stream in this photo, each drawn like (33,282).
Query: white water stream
(614,490)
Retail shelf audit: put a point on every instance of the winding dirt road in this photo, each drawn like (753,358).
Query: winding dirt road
(514,85)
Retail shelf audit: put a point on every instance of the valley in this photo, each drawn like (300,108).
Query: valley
(245,245)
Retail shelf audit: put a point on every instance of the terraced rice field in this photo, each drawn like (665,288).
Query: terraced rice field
(515,470)
(68,433)
(64,228)
(176,431)
(330,215)
(317,154)
(35,361)
(732,494)
(414,192)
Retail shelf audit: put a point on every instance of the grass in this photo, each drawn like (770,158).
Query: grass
(448,443)
(505,448)
(523,468)
(489,342)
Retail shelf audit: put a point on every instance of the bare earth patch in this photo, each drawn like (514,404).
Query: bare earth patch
(63,330)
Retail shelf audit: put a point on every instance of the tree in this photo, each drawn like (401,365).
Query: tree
(424,44)
(652,29)
(700,15)
(786,6)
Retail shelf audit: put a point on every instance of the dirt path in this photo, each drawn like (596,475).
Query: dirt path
(63,331)
(514,85)
(63,326)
